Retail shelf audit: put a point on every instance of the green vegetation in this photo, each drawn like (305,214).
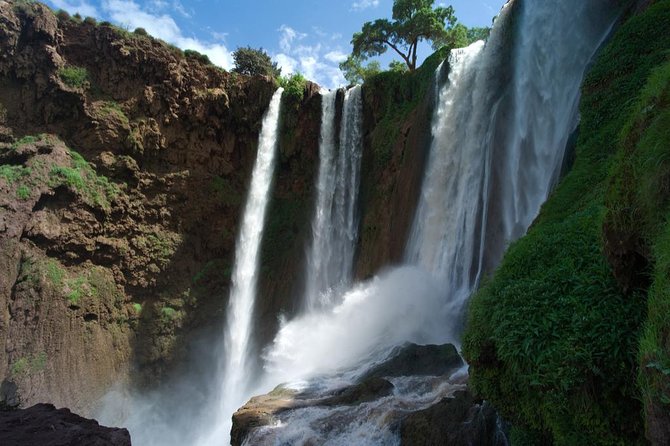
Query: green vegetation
(294,86)
(23,192)
(13,174)
(113,108)
(28,365)
(168,313)
(195,55)
(413,22)
(254,62)
(80,177)
(141,32)
(355,73)
(137,307)
(29,139)
(75,77)
(553,340)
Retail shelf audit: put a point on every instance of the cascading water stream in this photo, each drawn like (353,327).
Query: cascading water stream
(499,133)
(235,372)
(335,223)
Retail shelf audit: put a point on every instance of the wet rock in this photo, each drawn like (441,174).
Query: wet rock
(458,421)
(419,360)
(44,425)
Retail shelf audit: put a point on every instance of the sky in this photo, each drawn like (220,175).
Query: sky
(307,36)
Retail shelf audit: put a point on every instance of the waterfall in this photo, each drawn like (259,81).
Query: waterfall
(499,135)
(335,223)
(235,374)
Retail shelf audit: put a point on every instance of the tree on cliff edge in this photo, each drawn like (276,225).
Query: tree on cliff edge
(413,21)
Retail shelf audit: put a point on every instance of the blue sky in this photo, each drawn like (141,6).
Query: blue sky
(306,36)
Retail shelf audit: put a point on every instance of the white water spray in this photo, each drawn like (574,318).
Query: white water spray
(235,375)
(335,223)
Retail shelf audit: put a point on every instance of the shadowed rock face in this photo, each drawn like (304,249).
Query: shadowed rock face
(458,421)
(44,425)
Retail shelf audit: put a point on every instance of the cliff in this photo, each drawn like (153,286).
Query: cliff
(124,165)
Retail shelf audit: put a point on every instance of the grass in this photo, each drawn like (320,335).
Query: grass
(75,77)
(96,190)
(12,174)
(23,192)
(112,108)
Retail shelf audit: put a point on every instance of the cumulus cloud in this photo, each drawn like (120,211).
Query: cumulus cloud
(316,61)
(364,4)
(130,14)
(78,6)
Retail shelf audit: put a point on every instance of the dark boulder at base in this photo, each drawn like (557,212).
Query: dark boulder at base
(458,421)
(44,425)
(419,360)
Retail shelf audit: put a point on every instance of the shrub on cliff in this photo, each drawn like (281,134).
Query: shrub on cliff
(75,77)
(195,55)
(254,62)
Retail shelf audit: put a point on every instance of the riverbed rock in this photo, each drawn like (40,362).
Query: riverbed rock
(44,425)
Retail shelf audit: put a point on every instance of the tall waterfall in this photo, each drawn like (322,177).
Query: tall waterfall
(235,371)
(335,223)
(499,135)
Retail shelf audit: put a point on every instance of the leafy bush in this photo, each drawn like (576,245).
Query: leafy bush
(194,55)
(294,86)
(90,21)
(254,62)
(75,77)
(63,15)
(141,32)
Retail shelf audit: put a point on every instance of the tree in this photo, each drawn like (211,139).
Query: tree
(254,62)
(354,71)
(413,21)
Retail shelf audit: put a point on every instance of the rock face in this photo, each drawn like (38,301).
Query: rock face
(467,419)
(44,425)
(117,230)
(457,421)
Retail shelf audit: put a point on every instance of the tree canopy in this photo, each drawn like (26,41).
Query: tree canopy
(413,21)
(254,62)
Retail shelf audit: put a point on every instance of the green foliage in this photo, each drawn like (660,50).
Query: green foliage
(75,77)
(137,307)
(355,73)
(19,367)
(23,192)
(75,289)
(140,32)
(96,190)
(62,15)
(194,55)
(413,22)
(551,339)
(113,108)
(54,272)
(14,173)
(168,313)
(90,21)
(294,86)
(24,141)
(254,62)
(474,34)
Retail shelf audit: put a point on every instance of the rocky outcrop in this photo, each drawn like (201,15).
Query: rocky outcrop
(436,363)
(44,425)
(458,421)
(145,146)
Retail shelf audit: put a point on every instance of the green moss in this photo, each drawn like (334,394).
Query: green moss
(14,173)
(551,339)
(23,192)
(75,77)
(96,190)
(19,367)
(137,307)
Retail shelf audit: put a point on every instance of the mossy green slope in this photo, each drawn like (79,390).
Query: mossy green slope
(553,338)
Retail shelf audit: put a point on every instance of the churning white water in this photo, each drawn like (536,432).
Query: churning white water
(335,222)
(235,373)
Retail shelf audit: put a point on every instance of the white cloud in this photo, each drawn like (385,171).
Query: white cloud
(315,61)
(130,14)
(81,6)
(336,56)
(364,4)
